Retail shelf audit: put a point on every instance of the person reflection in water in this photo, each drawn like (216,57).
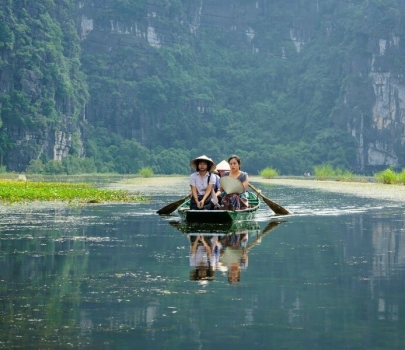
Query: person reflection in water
(235,256)
(234,270)
(203,257)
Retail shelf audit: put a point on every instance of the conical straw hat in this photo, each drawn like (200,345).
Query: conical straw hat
(205,158)
(231,185)
(224,165)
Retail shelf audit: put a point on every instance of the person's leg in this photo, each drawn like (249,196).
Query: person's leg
(193,204)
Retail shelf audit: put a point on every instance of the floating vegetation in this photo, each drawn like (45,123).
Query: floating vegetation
(19,191)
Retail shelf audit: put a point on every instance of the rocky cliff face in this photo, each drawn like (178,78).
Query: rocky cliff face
(385,145)
(124,36)
(42,93)
(371,107)
(371,102)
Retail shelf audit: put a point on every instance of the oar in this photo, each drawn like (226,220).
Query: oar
(277,208)
(270,226)
(170,208)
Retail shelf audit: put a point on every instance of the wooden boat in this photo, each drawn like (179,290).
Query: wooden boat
(219,216)
(206,229)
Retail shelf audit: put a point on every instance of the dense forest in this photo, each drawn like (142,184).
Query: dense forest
(118,85)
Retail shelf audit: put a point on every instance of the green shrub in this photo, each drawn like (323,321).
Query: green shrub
(344,175)
(35,166)
(74,165)
(146,172)
(54,167)
(387,176)
(324,171)
(402,177)
(268,173)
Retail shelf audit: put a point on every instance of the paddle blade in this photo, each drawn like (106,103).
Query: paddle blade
(277,208)
(170,208)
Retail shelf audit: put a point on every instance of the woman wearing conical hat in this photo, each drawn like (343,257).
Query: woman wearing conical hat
(202,183)
(220,169)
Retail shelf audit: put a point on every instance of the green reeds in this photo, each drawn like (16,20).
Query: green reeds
(24,191)
(327,172)
(268,173)
(389,176)
(324,171)
(146,172)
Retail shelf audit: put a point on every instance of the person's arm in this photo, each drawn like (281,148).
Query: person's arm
(194,193)
(246,182)
(193,187)
(194,246)
(206,245)
(218,186)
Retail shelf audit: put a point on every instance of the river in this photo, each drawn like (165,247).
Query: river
(118,276)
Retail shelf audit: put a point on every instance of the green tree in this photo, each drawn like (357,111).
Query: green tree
(35,166)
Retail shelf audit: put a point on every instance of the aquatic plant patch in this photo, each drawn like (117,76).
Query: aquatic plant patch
(19,191)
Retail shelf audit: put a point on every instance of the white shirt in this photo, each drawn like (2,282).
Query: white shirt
(200,257)
(201,183)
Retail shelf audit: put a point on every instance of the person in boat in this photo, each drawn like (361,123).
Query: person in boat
(203,258)
(215,192)
(236,201)
(222,167)
(202,183)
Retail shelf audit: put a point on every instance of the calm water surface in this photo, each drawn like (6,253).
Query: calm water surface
(331,276)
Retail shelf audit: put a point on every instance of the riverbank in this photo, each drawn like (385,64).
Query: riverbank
(394,193)
(360,189)
(140,186)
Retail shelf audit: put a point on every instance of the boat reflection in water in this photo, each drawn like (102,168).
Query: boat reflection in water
(222,248)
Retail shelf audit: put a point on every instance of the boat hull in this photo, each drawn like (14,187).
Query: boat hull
(219,216)
(222,228)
